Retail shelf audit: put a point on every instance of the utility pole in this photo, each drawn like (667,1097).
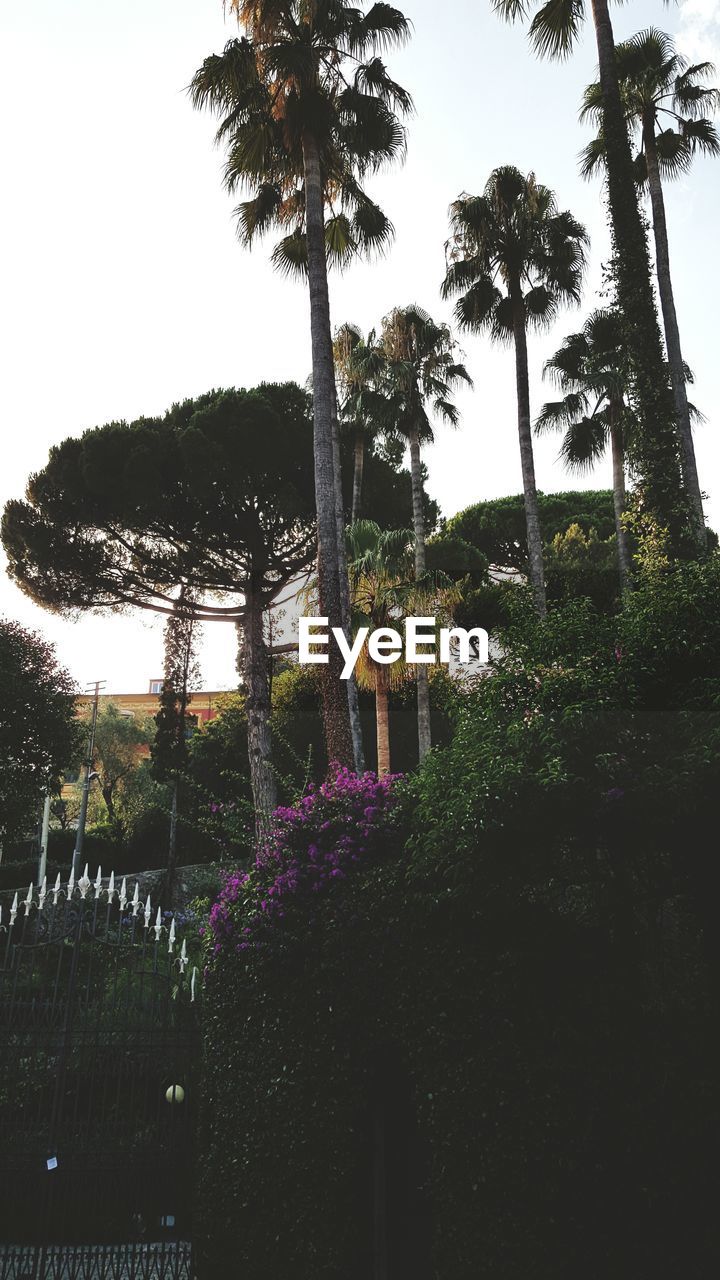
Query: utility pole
(77,855)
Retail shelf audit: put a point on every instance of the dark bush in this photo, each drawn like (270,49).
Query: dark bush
(518,1004)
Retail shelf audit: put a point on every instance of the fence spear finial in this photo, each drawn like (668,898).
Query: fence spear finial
(28,901)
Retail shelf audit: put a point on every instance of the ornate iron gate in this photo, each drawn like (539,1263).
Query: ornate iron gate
(98,1060)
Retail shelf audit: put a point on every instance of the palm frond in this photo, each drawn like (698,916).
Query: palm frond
(382,27)
(224,78)
(541,305)
(290,254)
(372,229)
(701,135)
(372,78)
(592,157)
(593,107)
(461,273)
(502,329)
(558,414)
(691,98)
(584,443)
(476,308)
(256,216)
(448,411)
(340,243)
(556,26)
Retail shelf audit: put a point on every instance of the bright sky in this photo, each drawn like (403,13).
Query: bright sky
(124,288)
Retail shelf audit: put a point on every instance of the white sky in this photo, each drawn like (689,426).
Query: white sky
(124,289)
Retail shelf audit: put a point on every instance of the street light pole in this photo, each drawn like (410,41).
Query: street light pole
(77,855)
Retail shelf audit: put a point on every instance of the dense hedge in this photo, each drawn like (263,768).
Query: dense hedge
(527,989)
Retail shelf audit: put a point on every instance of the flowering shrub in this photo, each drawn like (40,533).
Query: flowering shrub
(313,846)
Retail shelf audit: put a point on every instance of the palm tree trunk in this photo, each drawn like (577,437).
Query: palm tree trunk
(527,460)
(423,684)
(382,722)
(672,333)
(655,440)
(336,713)
(619,499)
(359,462)
(350,683)
(257,707)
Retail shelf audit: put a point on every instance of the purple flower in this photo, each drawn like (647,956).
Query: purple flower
(312,846)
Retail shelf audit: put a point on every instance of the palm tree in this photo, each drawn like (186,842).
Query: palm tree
(554,29)
(359,364)
(307,111)
(668,106)
(384,591)
(514,259)
(591,369)
(380,568)
(421,373)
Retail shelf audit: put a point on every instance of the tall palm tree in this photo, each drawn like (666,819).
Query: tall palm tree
(554,30)
(668,110)
(591,369)
(359,364)
(307,111)
(514,259)
(421,373)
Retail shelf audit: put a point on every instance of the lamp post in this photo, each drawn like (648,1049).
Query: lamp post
(45,829)
(89,775)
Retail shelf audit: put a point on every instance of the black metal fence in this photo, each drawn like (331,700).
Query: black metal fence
(166,1261)
(98,1054)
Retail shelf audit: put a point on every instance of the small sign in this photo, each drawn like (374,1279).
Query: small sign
(52,1162)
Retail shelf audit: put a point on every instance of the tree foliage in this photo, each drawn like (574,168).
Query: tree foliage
(39,734)
(497,528)
(660,86)
(660,500)
(307,70)
(130,514)
(181,676)
(121,743)
(513,258)
(665,101)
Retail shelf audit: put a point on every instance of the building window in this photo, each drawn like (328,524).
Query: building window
(156,686)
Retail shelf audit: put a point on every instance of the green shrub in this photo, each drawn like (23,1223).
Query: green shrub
(527,976)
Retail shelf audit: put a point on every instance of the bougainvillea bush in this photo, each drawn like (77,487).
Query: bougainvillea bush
(278,1122)
(314,848)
